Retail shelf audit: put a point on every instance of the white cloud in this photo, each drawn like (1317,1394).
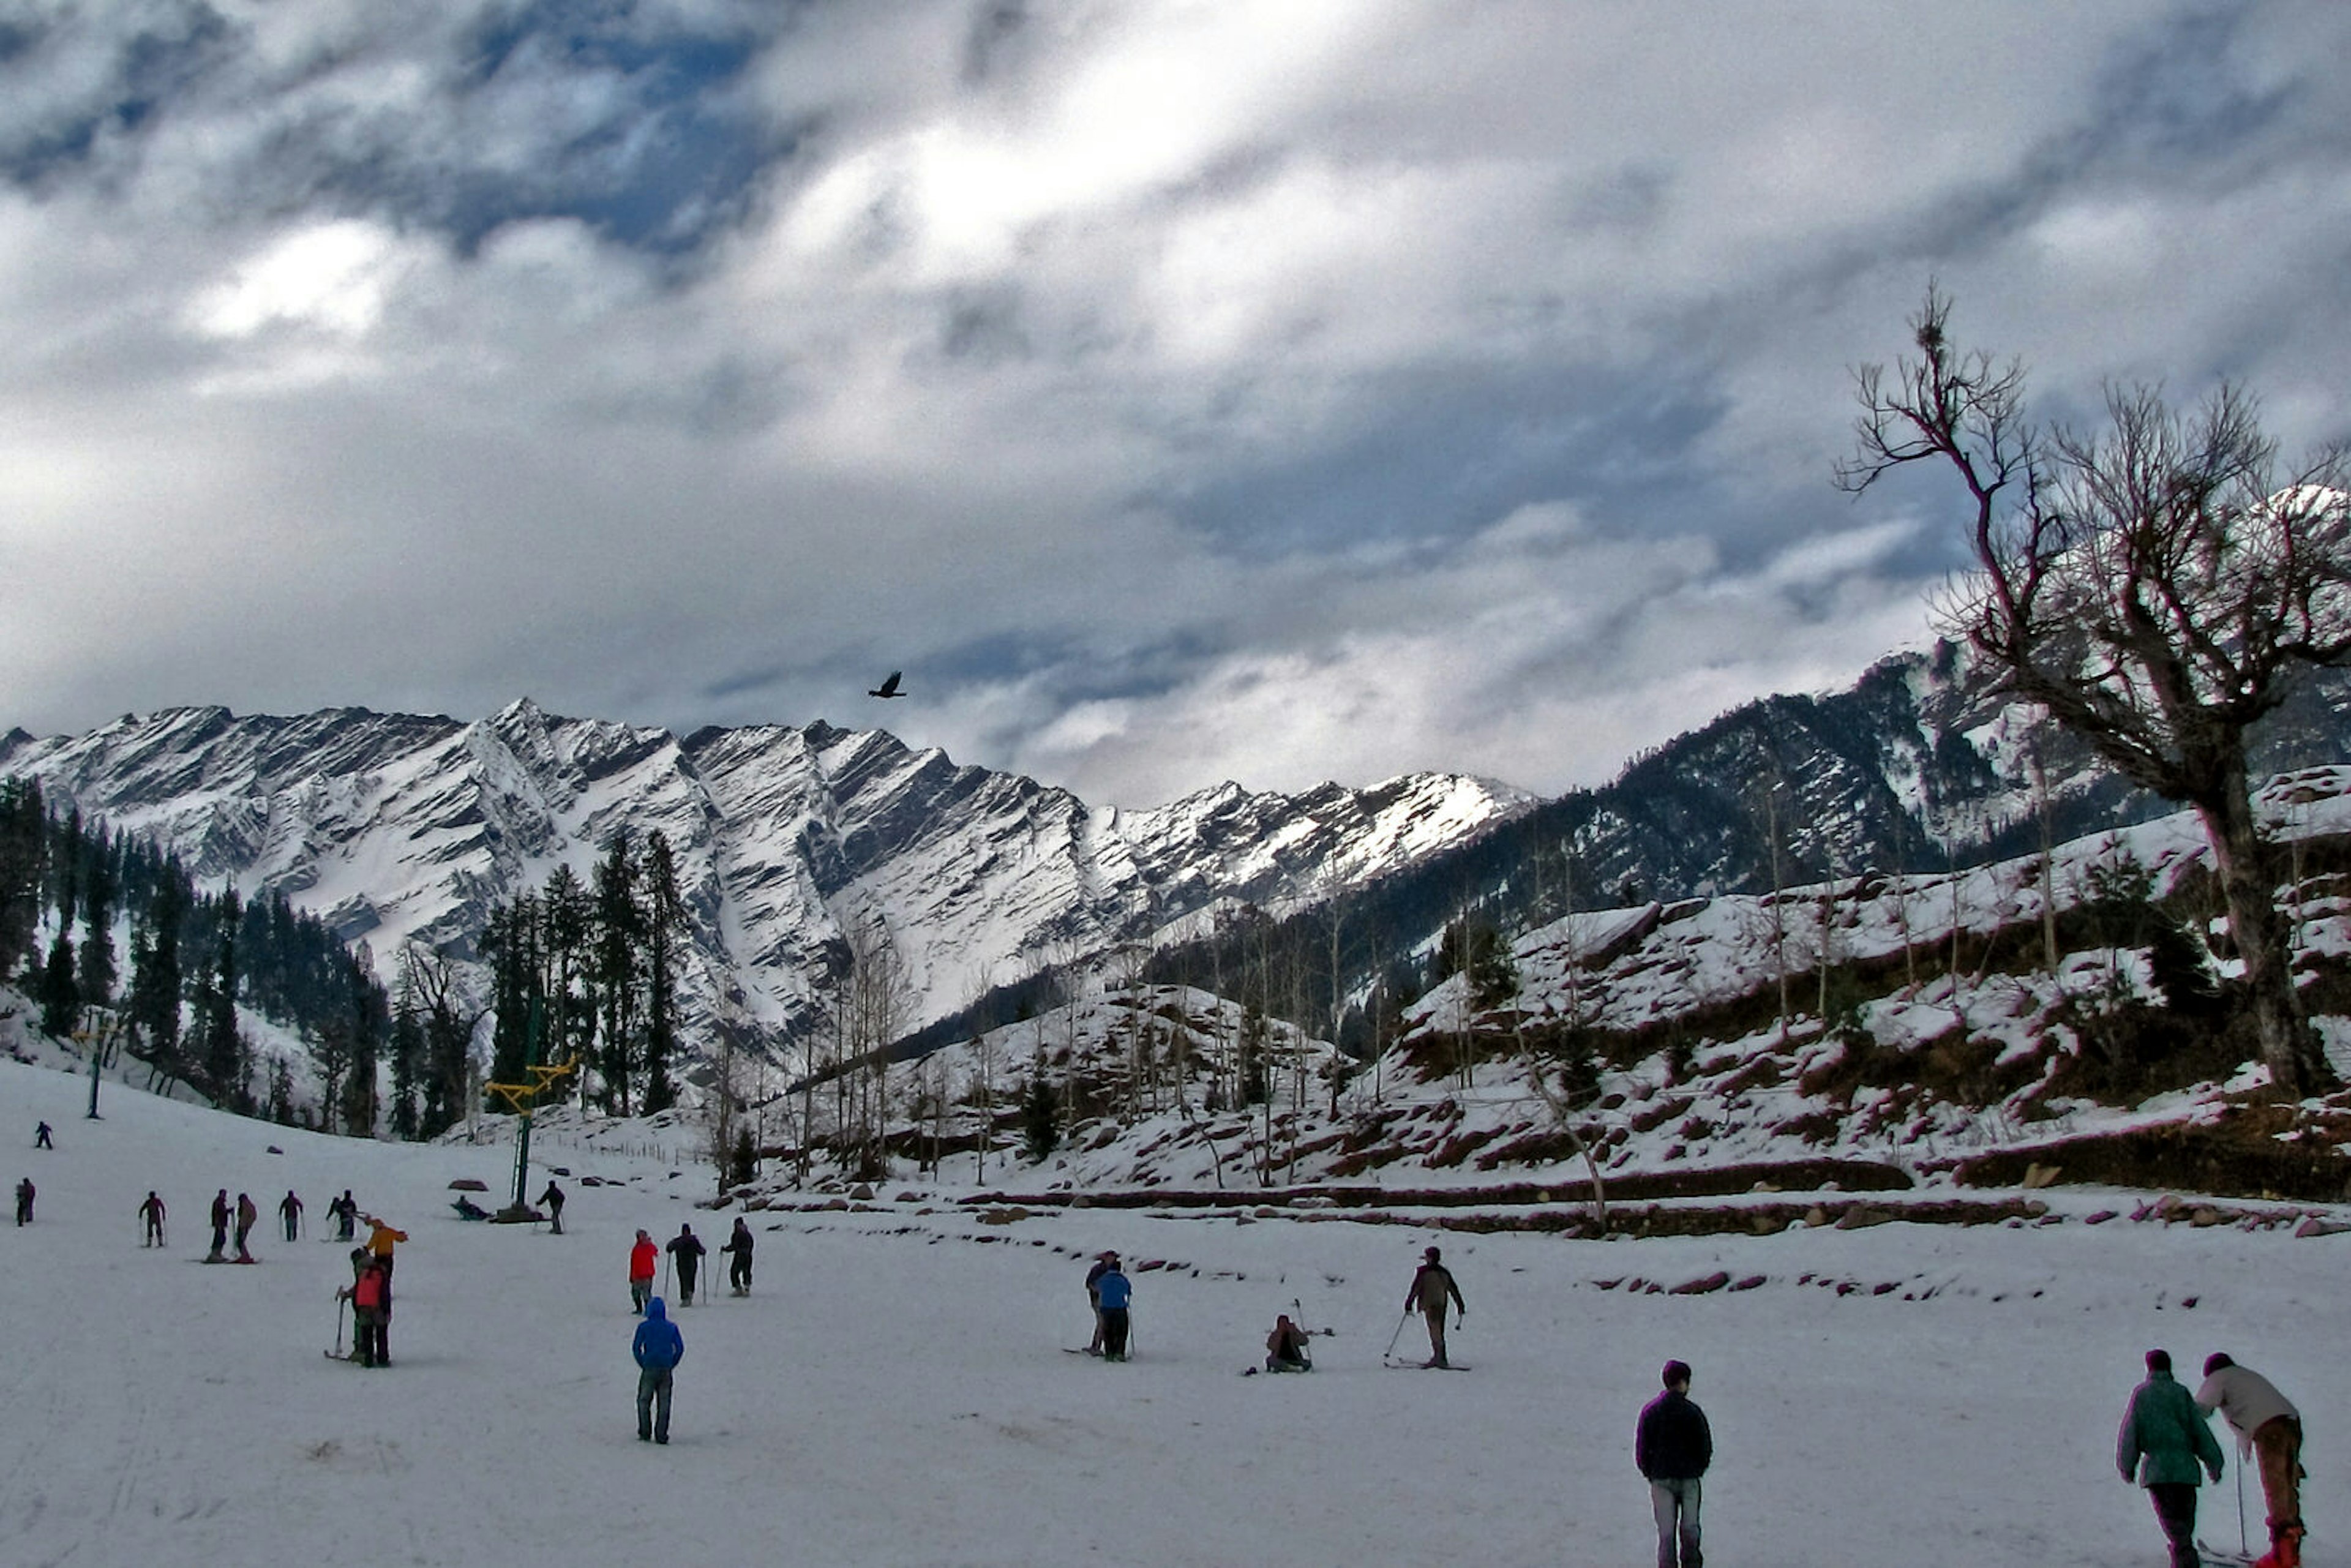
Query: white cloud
(1037,355)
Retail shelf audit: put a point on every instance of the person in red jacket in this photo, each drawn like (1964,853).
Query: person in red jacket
(642,1258)
(371,1299)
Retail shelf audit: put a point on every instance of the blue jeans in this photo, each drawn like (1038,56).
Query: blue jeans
(653,1383)
(1675,1502)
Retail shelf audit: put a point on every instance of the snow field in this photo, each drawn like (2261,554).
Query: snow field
(896,1392)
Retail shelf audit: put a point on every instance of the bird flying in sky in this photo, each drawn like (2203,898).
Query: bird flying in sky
(888,688)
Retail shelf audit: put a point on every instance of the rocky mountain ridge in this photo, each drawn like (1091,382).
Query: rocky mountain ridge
(406,828)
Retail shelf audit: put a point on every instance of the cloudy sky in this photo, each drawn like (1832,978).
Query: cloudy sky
(1278,390)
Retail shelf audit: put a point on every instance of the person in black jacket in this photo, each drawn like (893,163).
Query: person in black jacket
(1673,1446)
(687,1248)
(553,1198)
(739,1267)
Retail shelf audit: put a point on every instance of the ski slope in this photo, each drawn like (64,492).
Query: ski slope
(895,1390)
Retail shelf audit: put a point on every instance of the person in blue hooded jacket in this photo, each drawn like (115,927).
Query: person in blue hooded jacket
(1113,1291)
(658,1347)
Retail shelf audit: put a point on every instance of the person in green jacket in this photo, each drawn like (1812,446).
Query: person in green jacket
(2162,1441)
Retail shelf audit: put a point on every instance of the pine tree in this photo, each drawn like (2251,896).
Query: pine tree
(154,1003)
(1040,1113)
(620,925)
(24,854)
(665,925)
(61,994)
(97,971)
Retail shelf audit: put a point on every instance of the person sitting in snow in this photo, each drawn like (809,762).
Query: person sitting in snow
(2162,1441)
(1286,1348)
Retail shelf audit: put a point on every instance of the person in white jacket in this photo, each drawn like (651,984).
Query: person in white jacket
(2266,1423)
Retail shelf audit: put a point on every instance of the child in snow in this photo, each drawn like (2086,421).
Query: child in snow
(1673,1445)
(2163,1439)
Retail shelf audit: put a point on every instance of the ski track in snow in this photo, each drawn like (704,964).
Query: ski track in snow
(896,1393)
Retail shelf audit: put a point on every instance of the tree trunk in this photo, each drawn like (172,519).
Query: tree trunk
(2243,859)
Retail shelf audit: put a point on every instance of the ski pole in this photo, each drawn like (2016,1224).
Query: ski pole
(1389,1354)
(339,1325)
(2244,1547)
(665,1279)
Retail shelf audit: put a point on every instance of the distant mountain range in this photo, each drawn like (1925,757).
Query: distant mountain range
(401,827)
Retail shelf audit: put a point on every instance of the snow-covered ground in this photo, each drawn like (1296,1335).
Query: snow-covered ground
(895,1391)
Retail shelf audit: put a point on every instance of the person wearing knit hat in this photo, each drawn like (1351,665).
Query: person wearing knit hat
(2268,1427)
(1673,1445)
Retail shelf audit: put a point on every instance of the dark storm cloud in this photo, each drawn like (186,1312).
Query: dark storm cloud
(1173,392)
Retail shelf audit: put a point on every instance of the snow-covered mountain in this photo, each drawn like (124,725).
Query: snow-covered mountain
(401,827)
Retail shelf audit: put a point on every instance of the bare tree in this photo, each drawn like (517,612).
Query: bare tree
(2155,586)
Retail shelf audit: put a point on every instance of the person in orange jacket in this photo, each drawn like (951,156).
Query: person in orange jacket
(380,1239)
(642,1258)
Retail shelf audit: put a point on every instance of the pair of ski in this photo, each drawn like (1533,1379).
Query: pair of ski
(2212,1553)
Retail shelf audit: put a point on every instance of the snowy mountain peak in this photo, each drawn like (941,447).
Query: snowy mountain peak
(407,828)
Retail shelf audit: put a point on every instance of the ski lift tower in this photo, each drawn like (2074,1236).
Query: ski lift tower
(522,1099)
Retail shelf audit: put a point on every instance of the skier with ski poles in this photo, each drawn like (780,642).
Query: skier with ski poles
(1432,1286)
(687,1248)
(290,1208)
(738,1266)
(2162,1442)
(371,1299)
(641,1272)
(2268,1427)
(150,1217)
